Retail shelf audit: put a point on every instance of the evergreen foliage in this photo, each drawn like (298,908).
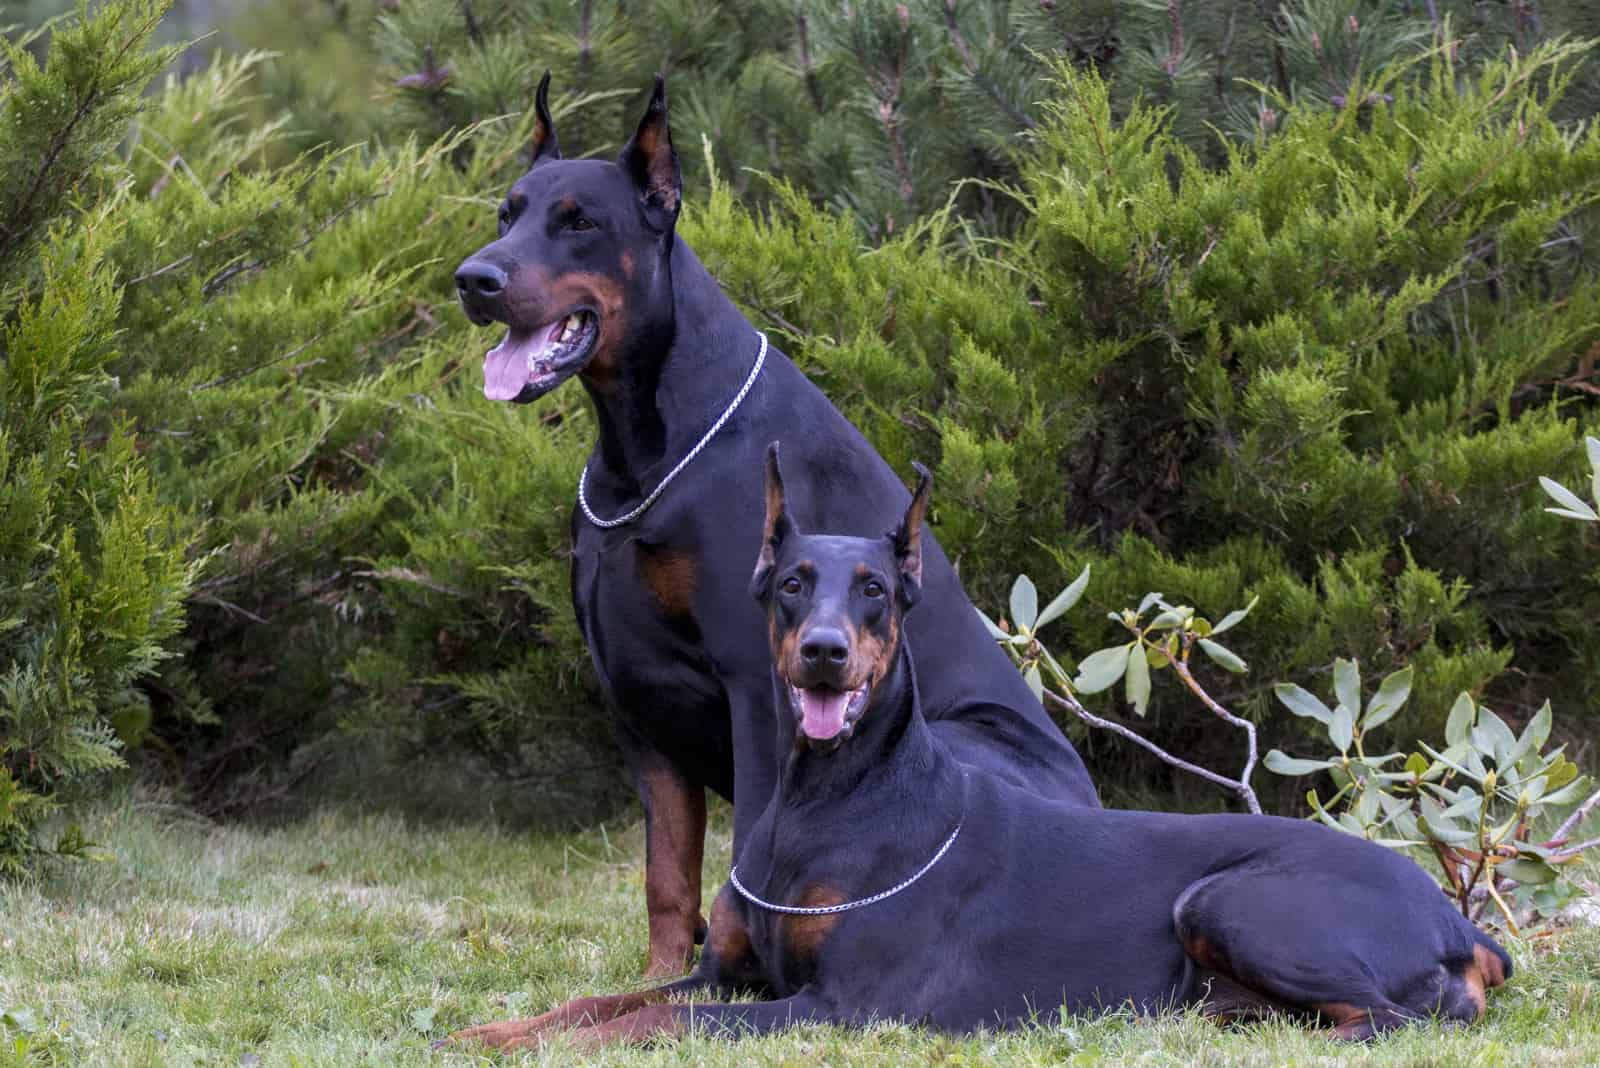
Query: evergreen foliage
(878,108)
(92,571)
(1323,364)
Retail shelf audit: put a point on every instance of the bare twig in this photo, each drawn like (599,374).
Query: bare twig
(405,574)
(236,375)
(1574,850)
(1237,787)
(1579,814)
(1181,666)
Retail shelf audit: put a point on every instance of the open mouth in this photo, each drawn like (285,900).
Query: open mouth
(827,714)
(530,363)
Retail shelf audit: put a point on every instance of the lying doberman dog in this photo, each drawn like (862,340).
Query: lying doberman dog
(590,279)
(888,878)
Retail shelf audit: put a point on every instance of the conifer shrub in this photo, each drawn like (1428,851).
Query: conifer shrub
(383,550)
(92,568)
(1328,373)
(876,108)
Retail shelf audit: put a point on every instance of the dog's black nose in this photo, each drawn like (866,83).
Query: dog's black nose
(824,647)
(475,278)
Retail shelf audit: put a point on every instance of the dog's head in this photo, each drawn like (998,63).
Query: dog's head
(834,611)
(579,271)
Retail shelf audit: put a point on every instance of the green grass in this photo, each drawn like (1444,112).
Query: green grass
(348,939)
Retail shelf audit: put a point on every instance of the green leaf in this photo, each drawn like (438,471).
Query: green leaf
(1064,600)
(1493,737)
(1445,833)
(1392,694)
(1302,702)
(1101,669)
(1167,620)
(1531,872)
(1225,657)
(1468,808)
(1366,807)
(1567,794)
(1341,731)
(1562,771)
(1234,618)
(1534,735)
(1024,603)
(1459,726)
(1281,764)
(1592,447)
(1571,504)
(1138,679)
(1057,672)
(422,1019)
(1347,686)
(1035,683)
(1148,600)
(1417,765)
(994,631)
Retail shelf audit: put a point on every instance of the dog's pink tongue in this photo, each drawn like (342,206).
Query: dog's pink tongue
(822,713)
(508,366)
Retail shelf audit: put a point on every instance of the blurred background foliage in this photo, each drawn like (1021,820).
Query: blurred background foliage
(1293,300)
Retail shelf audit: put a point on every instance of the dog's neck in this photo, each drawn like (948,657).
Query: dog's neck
(674,376)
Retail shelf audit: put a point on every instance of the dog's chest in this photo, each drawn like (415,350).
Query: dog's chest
(635,603)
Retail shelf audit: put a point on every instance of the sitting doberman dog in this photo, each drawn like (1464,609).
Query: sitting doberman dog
(590,280)
(891,878)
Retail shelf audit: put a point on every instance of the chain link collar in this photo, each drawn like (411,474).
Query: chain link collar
(583,495)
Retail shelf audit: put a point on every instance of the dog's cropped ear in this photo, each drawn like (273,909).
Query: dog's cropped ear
(545,145)
(907,538)
(778,526)
(650,160)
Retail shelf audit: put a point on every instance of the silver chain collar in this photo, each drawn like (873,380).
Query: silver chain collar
(827,910)
(583,495)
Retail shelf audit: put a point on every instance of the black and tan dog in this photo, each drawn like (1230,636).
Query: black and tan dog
(591,281)
(982,903)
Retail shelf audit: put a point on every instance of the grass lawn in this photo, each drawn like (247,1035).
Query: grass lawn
(350,939)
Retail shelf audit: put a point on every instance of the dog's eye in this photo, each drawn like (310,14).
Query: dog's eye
(873,589)
(505,218)
(791,585)
(580,223)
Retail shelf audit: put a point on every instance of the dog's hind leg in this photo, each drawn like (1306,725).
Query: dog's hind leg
(1355,952)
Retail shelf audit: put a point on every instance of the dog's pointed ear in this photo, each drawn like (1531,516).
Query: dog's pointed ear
(907,538)
(545,145)
(778,526)
(653,164)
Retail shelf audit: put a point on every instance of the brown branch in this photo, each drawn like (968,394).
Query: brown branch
(236,375)
(957,39)
(889,87)
(227,274)
(1271,14)
(807,64)
(585,45)
(1176,46)
(474,30)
